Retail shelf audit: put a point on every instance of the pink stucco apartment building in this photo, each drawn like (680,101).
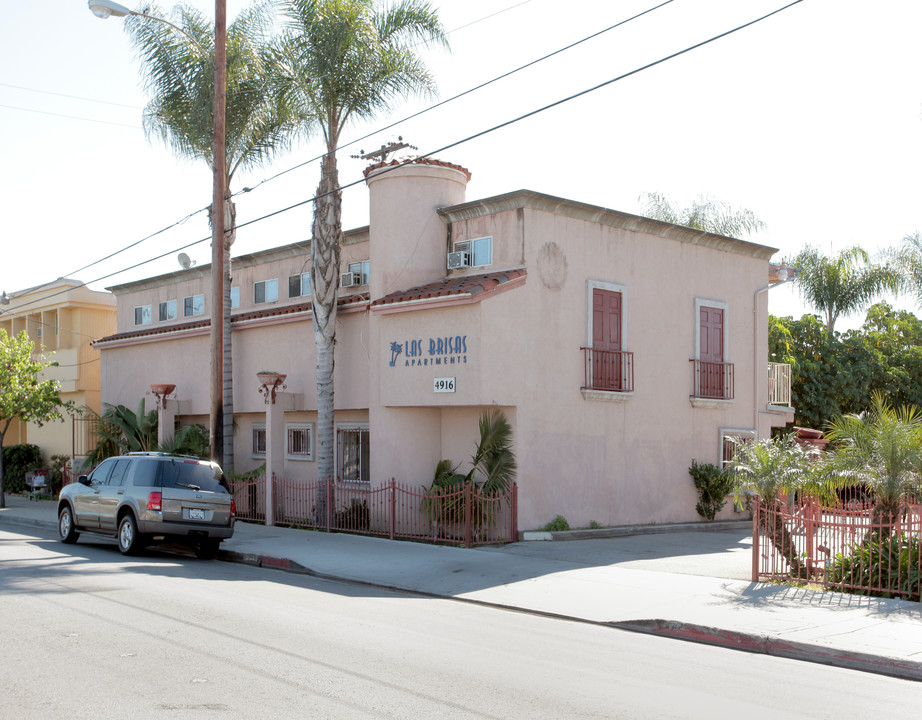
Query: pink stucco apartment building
(620,348)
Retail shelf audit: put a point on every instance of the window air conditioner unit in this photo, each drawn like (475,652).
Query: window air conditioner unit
(350,279)
(459,260)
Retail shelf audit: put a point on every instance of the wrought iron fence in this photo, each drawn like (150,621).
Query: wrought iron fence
(849,549)
(713,380)
(611,370)
(467,516)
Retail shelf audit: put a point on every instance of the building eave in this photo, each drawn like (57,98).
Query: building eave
(521,199)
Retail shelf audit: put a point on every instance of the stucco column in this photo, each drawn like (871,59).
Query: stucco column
(166,411)
(275,436)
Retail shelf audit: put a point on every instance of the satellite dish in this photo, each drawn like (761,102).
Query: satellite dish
(185,261)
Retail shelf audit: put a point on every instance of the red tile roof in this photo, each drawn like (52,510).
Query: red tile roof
(273,311)
(472,285)
(417,161)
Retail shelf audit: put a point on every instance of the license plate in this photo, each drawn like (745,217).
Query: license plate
(196,514)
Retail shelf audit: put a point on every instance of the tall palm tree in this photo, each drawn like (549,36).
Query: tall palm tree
(883,450)
(705,213)
(908,258)
(345,60)
(840,285)
(772,469)
(178,69)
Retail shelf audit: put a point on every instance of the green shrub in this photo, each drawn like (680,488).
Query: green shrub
(889,562)
(593,525)
(713,486)
(17,461)
(558,524)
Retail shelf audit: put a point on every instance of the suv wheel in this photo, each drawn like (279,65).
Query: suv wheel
(66,528)
(129,540)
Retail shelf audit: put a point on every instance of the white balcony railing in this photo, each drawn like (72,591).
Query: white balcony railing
(779,384)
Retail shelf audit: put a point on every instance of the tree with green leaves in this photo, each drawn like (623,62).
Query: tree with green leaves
(23,396)
(345,61)
(881,449)
(178,68)
(122,430)
(908,258)
(704,213)
(842,284)
(772,469)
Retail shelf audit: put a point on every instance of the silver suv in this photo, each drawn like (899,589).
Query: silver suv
(140,498)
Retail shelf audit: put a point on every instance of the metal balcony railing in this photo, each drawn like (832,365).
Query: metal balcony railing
(713,380)
(609,370)
(779,384)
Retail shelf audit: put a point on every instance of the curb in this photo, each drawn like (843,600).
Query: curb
(776,647)
(677,630)
(674,629)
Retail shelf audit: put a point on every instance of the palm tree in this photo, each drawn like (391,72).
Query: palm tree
(881,449)
(345,60)
(121,430)
(493,469)
(772,469)
(840,285)
(909,259)
(178,68)
(705,213)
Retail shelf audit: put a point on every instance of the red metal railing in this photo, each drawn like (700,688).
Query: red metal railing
(611,370)
(842,549)
(713,380)
(394,510)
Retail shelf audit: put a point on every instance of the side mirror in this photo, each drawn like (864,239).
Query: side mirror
(84,480)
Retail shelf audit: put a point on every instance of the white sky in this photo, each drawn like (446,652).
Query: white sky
(812,118)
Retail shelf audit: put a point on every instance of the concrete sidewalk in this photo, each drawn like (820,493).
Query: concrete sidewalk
(634,583)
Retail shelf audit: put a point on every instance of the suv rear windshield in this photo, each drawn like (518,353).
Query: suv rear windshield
(191,474)
(178,473)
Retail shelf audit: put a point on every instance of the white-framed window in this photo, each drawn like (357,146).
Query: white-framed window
(235,297)
(193,305)
(363,268)
(353,452)
(730,439)
(480,250)
(142,315)
(266,291)
(258,432)
(167,310)
(299,444)
(299,285)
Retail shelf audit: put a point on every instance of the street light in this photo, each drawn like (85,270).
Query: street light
(104,9)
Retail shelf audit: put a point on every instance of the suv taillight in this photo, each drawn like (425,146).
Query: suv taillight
(233,508)
(154,501)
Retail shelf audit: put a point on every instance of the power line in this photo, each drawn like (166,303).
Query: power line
(72,97)
(387,127)
(470,137)
(70,117)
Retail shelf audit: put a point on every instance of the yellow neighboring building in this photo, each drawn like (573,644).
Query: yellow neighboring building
(62,318)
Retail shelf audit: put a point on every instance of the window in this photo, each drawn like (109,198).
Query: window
(259,440)
(167,310)
(480,249)
(118,473)
(730,440)
(300,443)
(362,268)
(299,285)
(142,315)
(713,373)
(235,297)
(266,291)
(354,456)
(194,305)
(609,367)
